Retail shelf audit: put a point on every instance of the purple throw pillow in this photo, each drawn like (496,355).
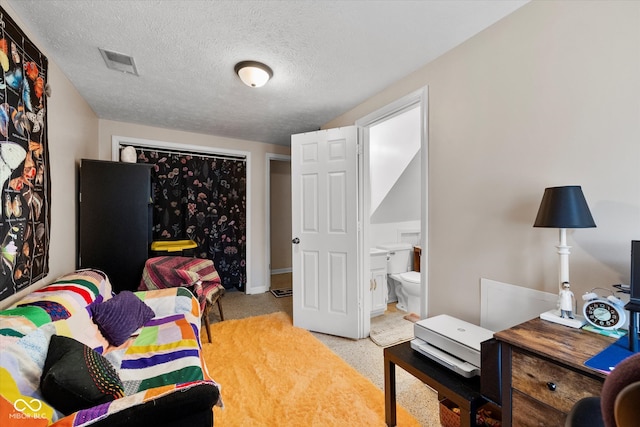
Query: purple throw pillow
(120,316)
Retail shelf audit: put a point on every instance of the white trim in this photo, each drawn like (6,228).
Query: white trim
(363,256)
(418,97)
(118,141)
(424,201)
(258,290)
(391,110)
(267,215)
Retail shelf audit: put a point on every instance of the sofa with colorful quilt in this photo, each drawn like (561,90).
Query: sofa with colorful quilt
(73,354)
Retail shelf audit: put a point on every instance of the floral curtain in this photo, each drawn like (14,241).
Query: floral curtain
(202,198)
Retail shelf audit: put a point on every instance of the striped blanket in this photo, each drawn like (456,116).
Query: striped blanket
(197,274)
(160,359)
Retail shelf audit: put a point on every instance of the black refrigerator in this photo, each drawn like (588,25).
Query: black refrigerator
(115,220)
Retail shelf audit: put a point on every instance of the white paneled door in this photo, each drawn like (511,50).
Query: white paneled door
(324,181)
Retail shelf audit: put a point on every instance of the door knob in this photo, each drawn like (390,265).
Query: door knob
(295,241)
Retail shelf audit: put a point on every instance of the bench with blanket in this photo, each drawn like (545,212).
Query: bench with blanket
(73,354)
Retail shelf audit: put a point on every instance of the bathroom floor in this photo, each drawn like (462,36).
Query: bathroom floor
(391,308)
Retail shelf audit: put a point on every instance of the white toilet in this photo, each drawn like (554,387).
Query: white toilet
(400,276)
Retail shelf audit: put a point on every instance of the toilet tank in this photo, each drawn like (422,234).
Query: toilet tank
(399,257)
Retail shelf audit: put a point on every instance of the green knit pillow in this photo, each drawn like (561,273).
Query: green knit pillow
(77,377)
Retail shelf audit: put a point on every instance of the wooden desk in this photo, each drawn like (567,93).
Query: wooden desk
(543,372)
(464,392)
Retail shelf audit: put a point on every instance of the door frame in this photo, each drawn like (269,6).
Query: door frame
(420,97)
(267,249)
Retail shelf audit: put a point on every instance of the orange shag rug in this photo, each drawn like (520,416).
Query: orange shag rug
(274,374)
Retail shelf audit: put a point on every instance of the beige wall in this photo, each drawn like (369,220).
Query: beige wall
(73,134)
(548,96)
(280,215)
(257,269)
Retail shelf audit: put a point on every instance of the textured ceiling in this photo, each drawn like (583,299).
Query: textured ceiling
(327,56)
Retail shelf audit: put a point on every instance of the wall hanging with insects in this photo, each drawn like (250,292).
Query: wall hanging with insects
(25,187)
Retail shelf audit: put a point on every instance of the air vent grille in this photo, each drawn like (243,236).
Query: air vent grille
(119,62)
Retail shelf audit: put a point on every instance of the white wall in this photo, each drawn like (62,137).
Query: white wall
(256,186)
(402,202)
(391,232)
(547,96)
(72,134)
(393,143)
(394,160)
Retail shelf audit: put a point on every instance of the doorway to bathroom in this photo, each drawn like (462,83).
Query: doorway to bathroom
(331,223)
(395,151)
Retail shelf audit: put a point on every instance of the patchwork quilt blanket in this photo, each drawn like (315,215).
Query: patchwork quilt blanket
(158,361)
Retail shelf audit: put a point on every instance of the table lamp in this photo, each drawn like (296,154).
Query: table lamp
(563,207)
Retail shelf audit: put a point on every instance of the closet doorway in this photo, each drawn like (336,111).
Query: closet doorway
(278,222)
(200,193)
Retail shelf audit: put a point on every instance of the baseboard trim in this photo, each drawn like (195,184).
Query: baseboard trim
(257,290)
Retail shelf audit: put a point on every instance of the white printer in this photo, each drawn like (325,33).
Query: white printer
(451,342)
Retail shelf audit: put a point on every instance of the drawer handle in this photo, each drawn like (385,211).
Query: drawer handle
(551,386)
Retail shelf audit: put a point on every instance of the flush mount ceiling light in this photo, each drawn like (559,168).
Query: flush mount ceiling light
(253,73)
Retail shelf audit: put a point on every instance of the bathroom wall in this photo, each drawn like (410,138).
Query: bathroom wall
(402,202)
(390,232)
(394,149)
(393,143)
(400,210)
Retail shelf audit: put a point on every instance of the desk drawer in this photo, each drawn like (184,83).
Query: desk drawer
(535,377)
(528,412)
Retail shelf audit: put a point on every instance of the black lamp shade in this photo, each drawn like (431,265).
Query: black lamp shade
(564,207)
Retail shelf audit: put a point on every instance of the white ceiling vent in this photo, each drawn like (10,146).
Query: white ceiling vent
(119,62)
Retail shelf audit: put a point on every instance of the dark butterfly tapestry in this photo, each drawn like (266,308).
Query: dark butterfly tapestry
(24,161)
(202,198)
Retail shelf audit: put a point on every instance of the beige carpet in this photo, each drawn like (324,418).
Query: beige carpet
(390,328)
(274,374)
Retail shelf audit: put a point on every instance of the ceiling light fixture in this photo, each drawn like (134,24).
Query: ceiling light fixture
(253,73)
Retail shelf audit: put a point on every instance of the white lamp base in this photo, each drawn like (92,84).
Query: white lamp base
(554,316)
